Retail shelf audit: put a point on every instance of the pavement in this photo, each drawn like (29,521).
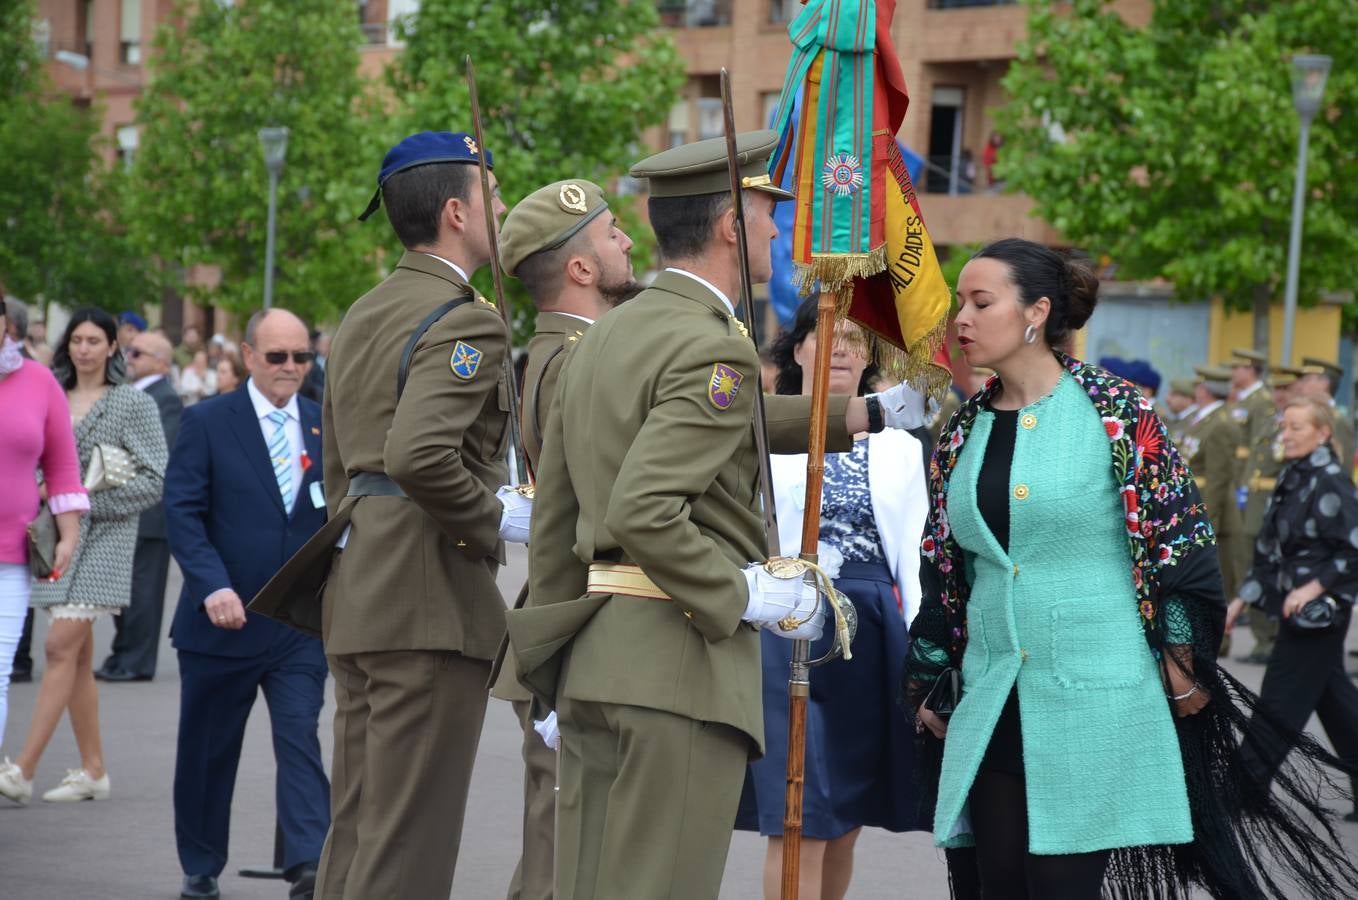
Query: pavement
(123,849)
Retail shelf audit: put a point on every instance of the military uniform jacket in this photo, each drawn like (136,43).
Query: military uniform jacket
(1209,446)
(556,333)
(417,573)
(650,459)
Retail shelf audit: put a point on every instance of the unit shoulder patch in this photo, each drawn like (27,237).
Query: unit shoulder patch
(465,360)
(723,386)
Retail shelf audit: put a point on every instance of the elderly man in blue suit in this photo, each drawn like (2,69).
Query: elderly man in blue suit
(242,494)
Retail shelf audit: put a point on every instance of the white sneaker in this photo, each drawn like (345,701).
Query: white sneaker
(78,785)
(13,784)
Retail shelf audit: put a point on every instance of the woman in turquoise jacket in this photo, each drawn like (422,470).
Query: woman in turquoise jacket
(1072,579)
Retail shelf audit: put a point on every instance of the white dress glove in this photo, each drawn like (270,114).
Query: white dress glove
(774,599)
(829,559)
(902,407)
(517,515)
(546,728)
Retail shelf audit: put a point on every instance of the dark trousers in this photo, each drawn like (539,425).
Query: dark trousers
(23,654)
(216,694)
(137,642)
(1305,674)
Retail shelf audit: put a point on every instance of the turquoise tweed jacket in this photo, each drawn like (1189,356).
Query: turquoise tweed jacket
(1057,614)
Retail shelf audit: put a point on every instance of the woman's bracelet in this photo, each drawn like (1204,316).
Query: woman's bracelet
(1185,695)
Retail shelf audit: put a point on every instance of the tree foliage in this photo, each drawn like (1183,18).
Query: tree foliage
(220,72)
(62,239)
(1171,148)
(566,89)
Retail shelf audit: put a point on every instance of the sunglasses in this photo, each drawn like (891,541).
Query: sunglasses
(278,357)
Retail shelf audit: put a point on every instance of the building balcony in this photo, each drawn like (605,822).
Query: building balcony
(981,218)
(969,31)
(694,13)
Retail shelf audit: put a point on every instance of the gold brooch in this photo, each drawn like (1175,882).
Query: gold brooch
(572,198)
(471,144)
(1029,421)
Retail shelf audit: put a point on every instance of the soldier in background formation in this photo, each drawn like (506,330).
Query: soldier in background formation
(1252,410)
(1211,438)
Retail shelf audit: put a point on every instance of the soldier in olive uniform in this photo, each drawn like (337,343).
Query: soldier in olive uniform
(1320,379)
(1179,407)
(412,617)
(1210,440)
(641,625)
(563,242)
(1252,409)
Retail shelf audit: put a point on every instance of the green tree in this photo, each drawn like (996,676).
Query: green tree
(566,89)
(220,72)
(1171,148)
(62,240)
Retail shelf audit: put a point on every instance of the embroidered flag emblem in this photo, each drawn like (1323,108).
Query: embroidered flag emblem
(842,175)
(723,385)
(466,360)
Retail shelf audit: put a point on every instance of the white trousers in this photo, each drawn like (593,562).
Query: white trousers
(14,585)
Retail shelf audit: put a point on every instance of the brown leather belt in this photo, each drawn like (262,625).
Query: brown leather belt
(622,580)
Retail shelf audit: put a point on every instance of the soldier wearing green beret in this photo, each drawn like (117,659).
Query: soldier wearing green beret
(1252,409)
(563,242)
(1210,439)
(1321,379)
(645,594)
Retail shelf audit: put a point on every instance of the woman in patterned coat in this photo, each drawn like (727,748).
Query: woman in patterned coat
(115,416)
(1071,575)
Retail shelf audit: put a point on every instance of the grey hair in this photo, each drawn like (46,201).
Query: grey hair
(16,311)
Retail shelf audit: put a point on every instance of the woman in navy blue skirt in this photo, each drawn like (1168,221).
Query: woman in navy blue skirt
(859,743)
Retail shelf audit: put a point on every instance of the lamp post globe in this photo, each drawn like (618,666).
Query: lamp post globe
(1308,90)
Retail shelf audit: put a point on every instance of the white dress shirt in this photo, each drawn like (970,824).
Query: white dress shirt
(1206,411)
(456,267)
(292,428)
(707,284)
(142,384)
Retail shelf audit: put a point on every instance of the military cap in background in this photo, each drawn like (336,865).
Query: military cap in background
(1181,386)
(547,218)
(1216,379)
(692,170)
(1244,356)
(422,149)
(1311,365)
(1282,376)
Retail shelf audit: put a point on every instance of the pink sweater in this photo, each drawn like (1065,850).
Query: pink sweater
(35,432)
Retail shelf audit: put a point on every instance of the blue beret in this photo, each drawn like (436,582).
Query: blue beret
(422,149)
(131,318)
(1117,366)
(1145,375)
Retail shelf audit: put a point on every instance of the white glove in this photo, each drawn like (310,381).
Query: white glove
(774,599)
(902,407)
(551,735)
(517,515)
(829,559)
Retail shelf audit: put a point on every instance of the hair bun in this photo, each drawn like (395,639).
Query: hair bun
(1083,295)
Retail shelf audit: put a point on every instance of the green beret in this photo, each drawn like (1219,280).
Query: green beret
(692,170)
(547,218)
(1311,365)
(1242,356)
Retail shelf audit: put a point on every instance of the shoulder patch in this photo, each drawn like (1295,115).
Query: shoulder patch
(465,361)
(723,385)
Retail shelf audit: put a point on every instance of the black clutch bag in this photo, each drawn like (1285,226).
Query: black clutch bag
(946,693)
(1318,616)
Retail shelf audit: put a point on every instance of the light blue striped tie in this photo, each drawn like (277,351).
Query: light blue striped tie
(280,451)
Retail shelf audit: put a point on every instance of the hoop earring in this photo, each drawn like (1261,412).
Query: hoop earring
(1030,334)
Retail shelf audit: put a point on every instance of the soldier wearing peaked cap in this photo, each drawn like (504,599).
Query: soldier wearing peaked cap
(1321,378)
(415,427)
(1252,409)
(563,242)
(641,624)
(1210,440)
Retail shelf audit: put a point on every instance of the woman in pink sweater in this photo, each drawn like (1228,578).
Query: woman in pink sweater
(35,433)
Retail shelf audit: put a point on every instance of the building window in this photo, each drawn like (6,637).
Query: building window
(945,162)
(128,139)
(678,125)
(694,13)
(768,105)
(130,33)
(711,120)
(781,12)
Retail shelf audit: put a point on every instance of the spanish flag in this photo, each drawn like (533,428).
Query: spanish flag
(858,231)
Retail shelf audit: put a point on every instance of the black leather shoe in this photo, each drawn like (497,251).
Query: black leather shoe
(303,884)
(119,675)
(199,887)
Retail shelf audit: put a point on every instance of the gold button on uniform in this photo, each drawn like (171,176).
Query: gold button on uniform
(1029,421)
(1021,492)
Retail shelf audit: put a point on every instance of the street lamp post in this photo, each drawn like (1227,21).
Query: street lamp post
(275,141)
(1308,86)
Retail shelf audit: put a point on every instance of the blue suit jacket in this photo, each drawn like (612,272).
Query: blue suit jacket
(227,523)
